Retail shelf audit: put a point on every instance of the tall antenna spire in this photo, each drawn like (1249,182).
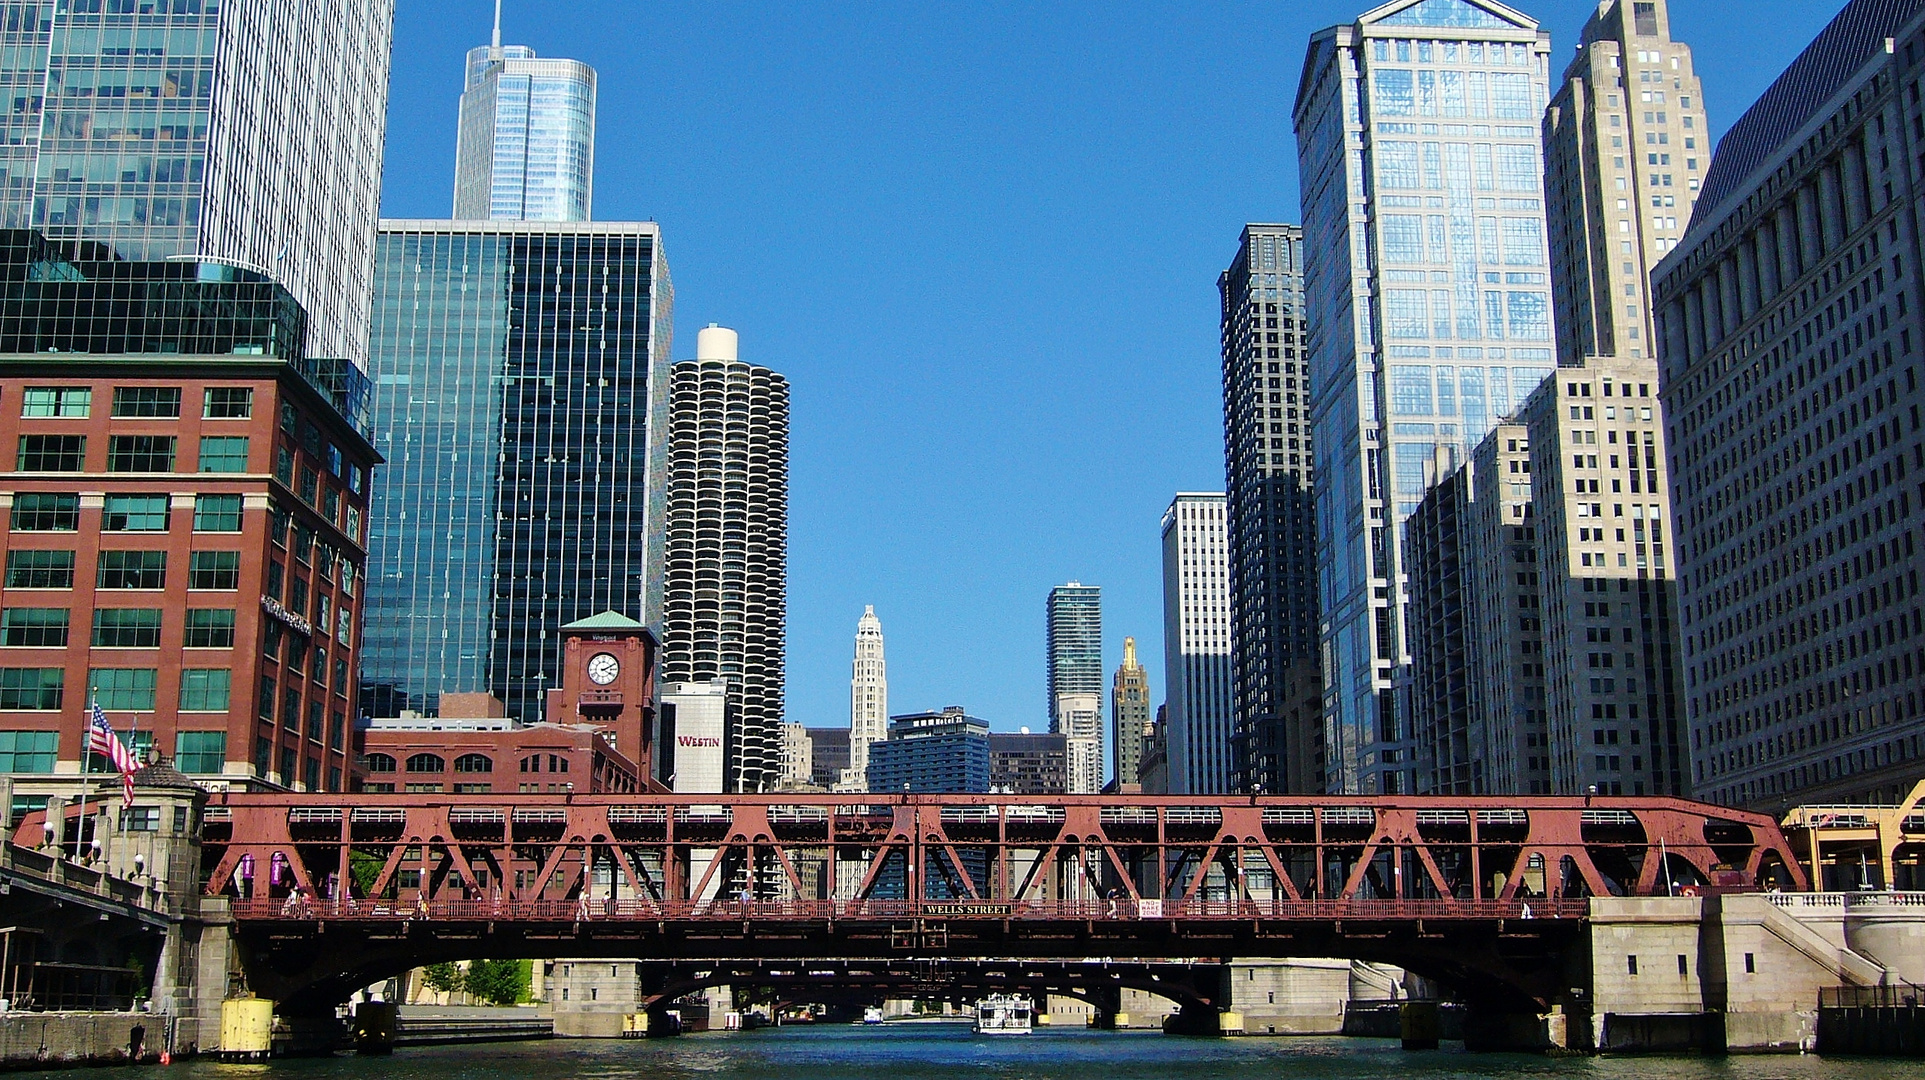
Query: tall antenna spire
(495,42)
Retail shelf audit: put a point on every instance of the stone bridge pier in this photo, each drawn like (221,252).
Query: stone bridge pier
(90,887)
(1739,972)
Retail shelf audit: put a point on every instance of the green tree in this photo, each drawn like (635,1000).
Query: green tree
(364,870)
(442,978)
(498,982)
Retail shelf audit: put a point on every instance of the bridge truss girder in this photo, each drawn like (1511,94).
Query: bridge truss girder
(328,889)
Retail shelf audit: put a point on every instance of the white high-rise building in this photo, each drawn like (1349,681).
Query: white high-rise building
(1079,719)
(526,144)
(1196,643)
(248,133)
(868,701)
(725,573)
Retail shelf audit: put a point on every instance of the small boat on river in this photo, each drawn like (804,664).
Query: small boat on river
(1005,1014)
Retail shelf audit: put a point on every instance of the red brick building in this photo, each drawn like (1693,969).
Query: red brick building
(608,679)
(477,755)
(182,525)
(600,739)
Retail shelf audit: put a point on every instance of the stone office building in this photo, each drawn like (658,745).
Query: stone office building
(1790,317)
(1607,562)
(1544,631)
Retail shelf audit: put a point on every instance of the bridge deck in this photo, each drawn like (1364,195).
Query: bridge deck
(614,912)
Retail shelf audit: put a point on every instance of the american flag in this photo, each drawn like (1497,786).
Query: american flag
(102,740)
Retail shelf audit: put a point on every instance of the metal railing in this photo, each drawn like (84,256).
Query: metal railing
(1843,816)
(1868,898)
(1893,996)
(46,987)
(609,909)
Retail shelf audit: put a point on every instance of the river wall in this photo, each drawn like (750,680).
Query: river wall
(58,1039)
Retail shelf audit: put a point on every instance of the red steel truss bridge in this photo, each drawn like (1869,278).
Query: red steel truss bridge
(331,892)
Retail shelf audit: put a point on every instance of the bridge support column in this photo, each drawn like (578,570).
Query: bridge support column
(1288,997)
(1201,1020)
(1647,979)
(1490,1028)
(1420,1023)
(374,1026)
(1105,1006)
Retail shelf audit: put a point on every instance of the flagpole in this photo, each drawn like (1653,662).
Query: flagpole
(126,781)
(133,745)
(86,761)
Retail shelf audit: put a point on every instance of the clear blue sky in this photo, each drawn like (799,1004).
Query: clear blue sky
(982,241)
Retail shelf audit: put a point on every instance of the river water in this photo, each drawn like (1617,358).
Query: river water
(943,1051)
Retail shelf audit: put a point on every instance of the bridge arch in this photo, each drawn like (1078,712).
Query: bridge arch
(313,971)
(1094,982)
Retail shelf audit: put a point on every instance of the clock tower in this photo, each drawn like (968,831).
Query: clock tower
(608,679)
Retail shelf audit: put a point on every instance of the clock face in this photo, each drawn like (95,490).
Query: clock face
(602,668)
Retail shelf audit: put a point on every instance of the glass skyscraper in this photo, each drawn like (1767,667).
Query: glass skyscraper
(1075,644)
(521,375)
(526,148)
(249,134)
(1424,236)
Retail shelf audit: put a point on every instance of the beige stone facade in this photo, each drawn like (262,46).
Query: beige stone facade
(1513,745)
(1475,683)
(1625,148)
(1792,345)
(1599,491)
(1544,641)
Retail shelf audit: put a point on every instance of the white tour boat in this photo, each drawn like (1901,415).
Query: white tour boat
(1004,1014)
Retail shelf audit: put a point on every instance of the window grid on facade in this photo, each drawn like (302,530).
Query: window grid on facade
(1792,342)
